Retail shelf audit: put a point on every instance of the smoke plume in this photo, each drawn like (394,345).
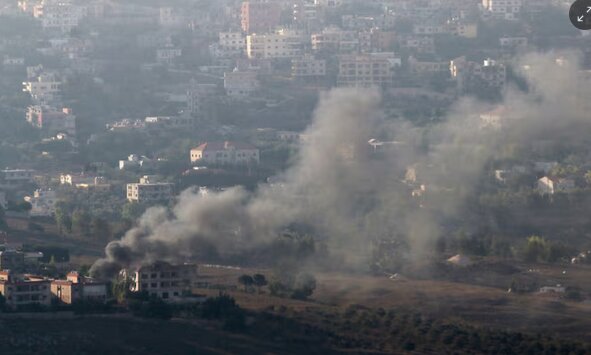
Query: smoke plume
(352,194)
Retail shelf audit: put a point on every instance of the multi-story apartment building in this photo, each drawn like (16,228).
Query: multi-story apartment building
(42,203)
(60,15)
(230,153)
(44,89)
(16,177)
(367,70)
(149,190)
(506,9)
(260,15)
(334,39)
(241,84)
(78,288)
(168,54)
(308,67)
(21,291)
(51,120)
(279,45)
(467,73)
(165,281)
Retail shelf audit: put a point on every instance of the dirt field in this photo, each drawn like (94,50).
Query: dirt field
(454,301)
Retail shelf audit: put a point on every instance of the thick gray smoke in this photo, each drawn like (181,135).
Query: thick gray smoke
(353,196)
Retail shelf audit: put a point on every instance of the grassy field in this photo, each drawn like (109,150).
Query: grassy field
(454,301)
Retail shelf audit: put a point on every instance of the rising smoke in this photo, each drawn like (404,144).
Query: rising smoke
(351,195)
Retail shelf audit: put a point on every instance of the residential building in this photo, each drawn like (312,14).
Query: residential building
(367,70)
(308,67)
(78,288)
(163,280)
(168,55)
(16,177)
(134,161)
(42,203)
(12,260)
(260,15)
(83,181)
(420,66)
(61,15)
(550,186)
(241,84)
(467,73)
(170,17)
(280,45)
(513,42)
(51,120)
(232,43)
(24,290)
(333,39)
(168,122)
(149,190)
(43,89)
(230,153)
(197,96)
(504,9)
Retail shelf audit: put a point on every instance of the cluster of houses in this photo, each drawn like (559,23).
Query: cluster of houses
(171,283)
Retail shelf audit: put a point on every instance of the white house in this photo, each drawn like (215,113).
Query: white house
(549,186)
(42,202)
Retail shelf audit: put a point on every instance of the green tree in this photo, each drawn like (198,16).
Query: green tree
(259,281)
(132,211)
(536,249)
(81,221)
(63,221)
(100,229)
(3,224)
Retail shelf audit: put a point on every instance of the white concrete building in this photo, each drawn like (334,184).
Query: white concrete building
(44,89)
(169,282)
(367,70)
(308,66)
(222,153)
(505,9)
(60,15)
(16,177)
(42,202)
(281,45)
(550,186)
(241,84)
(149,190)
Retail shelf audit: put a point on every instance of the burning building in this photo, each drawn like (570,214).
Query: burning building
(163,280)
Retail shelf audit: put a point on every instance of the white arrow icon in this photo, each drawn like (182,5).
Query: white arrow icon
(588,9)
(580,18)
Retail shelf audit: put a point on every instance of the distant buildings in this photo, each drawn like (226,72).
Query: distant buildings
(503,9)
(308,67)
(52,120)
(83,181)
(16,177)
(78,288)
(44,89)
(60,15)
(168,282)
(280,45)
(22,291)
(225,153)
(260,15)
(241,84)
(550,186)
(367,70)
(469,74)
(42,203)
(149,190)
